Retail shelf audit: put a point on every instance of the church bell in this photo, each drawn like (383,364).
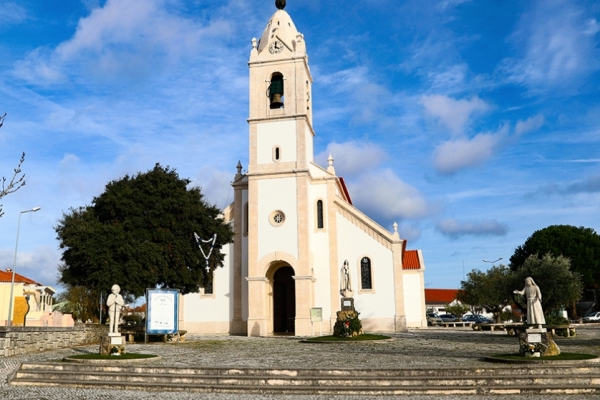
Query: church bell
(276,91)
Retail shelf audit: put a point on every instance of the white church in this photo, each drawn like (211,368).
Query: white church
(295,223)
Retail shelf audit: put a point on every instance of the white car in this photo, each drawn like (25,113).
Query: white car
(593,317)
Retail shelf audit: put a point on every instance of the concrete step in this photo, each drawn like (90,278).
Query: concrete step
(320,381)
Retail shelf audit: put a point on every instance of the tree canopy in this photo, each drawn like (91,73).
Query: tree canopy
(487,289)
(580,245)
(558,284)
(139,234)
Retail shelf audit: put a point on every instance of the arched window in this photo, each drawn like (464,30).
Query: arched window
(276,153)
(366,282)
(320,223)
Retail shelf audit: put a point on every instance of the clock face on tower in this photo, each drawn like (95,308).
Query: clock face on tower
(276,47)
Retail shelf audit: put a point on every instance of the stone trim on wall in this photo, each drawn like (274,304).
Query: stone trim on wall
(366,224)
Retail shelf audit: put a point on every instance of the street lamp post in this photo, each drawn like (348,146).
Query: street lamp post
(12,282)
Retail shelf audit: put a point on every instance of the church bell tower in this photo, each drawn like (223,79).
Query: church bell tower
(280,154)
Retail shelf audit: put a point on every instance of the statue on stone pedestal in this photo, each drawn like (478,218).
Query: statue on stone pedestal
(345,283)
(535,314)
(115,303)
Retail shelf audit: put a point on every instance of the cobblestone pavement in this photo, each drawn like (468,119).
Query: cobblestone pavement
(423,348)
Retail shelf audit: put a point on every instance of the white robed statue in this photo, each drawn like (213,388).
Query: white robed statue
(115,303)
(345,283)
(535,314)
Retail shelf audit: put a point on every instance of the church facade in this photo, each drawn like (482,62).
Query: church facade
(295,224)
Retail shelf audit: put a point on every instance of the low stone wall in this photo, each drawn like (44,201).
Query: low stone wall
(18,340)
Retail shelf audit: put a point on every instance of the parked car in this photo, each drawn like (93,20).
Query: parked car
(593,317)
(448,317)
(478,319)
(434,319)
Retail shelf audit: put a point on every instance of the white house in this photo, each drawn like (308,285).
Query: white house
(295,223)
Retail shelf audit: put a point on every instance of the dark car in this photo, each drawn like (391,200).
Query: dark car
(448,317)
(478,319)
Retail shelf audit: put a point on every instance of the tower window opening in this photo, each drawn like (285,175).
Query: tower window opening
(276,91)
(277,154)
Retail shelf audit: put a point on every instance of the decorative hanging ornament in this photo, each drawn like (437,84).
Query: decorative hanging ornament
(212,245)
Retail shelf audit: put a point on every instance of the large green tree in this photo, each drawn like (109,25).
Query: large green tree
(139,234)
(490,289)
(558,284)
(580,245)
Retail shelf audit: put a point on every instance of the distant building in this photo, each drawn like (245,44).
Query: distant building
(436,299)
(26,291)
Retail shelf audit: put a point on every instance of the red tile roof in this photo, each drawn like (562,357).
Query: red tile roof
(435,296)
(6,276)
(410,260)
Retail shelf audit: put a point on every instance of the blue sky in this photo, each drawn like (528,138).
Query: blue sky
(470,123)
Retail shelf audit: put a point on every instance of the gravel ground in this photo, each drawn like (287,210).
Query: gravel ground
(423,348)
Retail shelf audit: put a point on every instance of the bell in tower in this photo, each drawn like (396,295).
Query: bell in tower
(276,91)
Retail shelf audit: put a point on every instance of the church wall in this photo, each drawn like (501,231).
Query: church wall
(277,133)
(277,194)
(244,261)
(353,244)
(414,299)
(320,248)
(212,313)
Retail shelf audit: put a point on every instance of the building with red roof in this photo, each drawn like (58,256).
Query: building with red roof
(26,291)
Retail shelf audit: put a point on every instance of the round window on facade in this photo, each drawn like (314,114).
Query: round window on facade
(277,218)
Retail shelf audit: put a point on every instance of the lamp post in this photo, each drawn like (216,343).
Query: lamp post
(493,261)
(12,282)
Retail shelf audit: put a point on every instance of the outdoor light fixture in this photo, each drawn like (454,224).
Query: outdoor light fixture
(12,282)
(492,261)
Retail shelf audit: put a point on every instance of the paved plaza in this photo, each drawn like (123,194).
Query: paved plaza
(423,348)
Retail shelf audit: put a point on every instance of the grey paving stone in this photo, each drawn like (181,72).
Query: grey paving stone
(424,348)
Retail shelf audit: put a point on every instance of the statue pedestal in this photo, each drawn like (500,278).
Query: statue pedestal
(347,304)
(536,342)
(112,344)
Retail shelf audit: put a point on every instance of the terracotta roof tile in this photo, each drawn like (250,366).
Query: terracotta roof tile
(6,276)
(410,260)
(440,295)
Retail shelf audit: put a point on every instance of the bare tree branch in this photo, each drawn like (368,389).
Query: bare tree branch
(17,182)
(2,120)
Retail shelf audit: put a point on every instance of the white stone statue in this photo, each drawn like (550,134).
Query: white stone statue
(535,314)
(345,283)
(115,303)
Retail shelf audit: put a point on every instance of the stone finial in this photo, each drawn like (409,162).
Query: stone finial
(330,162)
(280,4)
(396,234)
(254,42)
(239,170)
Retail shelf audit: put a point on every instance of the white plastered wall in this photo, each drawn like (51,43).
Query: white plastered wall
(379,305)
(278,133)
(320,248)
(277,194)
(414,301)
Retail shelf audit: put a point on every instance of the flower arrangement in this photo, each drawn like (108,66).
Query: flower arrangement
(117,350)
(529,349)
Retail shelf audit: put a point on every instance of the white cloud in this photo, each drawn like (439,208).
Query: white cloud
(559,46)
(453,228)
(122,39)
(530,124)
(454,155)
(39,265)
(382,194)
(352,157)
(12,13)
(454,114)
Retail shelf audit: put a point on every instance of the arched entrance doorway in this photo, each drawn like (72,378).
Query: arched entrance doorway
(284,301)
